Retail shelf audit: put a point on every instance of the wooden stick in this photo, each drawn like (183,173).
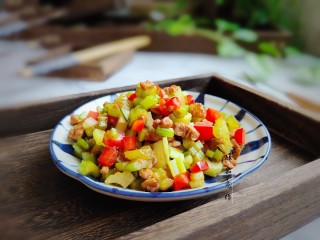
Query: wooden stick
(87,55)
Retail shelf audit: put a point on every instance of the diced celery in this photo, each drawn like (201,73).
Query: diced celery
(137,101)
(185,119)
(77,150)
(188,161)
(88,168)
(165,184)
(193,151)
(220,129)
(173,167)
(180,165)
(121,124)
(196,176)
(198,145)
(165,132)
(88,156)
(218,155)
(113,110)
(125,113)
(209,153)
(175,153)
(149,101)
(144,153)
(142,134)
(149,122)
(214,168)
(102,122)
(105,176)
(181,112)
(136,184)
(88,125)
(151,90)
(161,151)
(187,143)
(137,112)
(159,173)
(120,178)
(82,116)
(198,156)
(121,166)
(113,133)
(196,184)
(137,164)
(83,144)
(98,136)
(232,123)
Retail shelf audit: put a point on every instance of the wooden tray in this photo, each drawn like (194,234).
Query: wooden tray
(38,201)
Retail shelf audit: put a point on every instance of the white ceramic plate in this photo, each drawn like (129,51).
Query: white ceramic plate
(253,155)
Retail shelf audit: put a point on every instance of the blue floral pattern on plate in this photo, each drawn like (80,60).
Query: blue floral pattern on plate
(253,155)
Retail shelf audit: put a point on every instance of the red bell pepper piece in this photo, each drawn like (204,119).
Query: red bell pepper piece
(138,125)
(112,120)
(205,130)
(93,115)
(213,115)
(129,143)
(181,181)
(118,142)
(189,99)
(163,108)
(173,104)
(108,157)
(199,166)
(132,96)
(240,136)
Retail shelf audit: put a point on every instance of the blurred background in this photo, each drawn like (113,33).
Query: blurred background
(271,46)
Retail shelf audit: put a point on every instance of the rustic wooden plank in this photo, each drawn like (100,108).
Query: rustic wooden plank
(268,210)
(295,124)
(38,201)
(46,114)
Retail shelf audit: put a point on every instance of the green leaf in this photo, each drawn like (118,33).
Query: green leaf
(270,48)
(262,65)
(229,48)
(291,51)
(223,25)
(245,35)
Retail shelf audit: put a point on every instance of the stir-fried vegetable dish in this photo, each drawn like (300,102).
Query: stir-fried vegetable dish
(155,139)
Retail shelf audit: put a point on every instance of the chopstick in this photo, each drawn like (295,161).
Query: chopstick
(86,55)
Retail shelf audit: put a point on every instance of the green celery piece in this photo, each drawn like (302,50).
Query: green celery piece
(121,165)
(149,101)
(187,143)
(214,168)
(83,144)
(82,116)
(121,124)
(186,119)
(165,183)
(136,165)
(88,156)
(165,132)
(98,136)
(123,179)
(199,156)
(232,123)
(209,153)
(125,113)
(137,112)
(193,151)
(113,110)
(102,122)
(142,134)
(144,153)
(159,173)
(113,133)
(218,155)
(196,184)
(198,145)
(180,165)
(173,167)
(137,101)
(175,153)
(188,160)
(196,176)
(136,184)
(87,167)
(161,151)
(77,150)
(181,112)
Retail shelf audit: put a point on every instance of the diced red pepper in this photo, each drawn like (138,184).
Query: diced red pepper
(138,125)
(181,181)
(213,115)
(189,99)
(132,96)
(112,120)
(205,130)
(240,136)
(199,166)
(118,142)
(173,104)
(163,108)
(93,115)
(129,143)
(108,157)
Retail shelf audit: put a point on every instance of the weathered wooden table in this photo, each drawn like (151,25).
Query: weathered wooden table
(38,201)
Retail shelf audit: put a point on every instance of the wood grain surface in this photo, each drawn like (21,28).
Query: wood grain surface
(37,201)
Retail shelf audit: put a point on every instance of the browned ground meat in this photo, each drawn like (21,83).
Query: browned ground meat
(213,143)
(145,173)
(164,123)
(197,110)
(74,119)
(185,131)
(236,149)
(150,185)
(76,132)
(147,85)
(152,137)
(172,89)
